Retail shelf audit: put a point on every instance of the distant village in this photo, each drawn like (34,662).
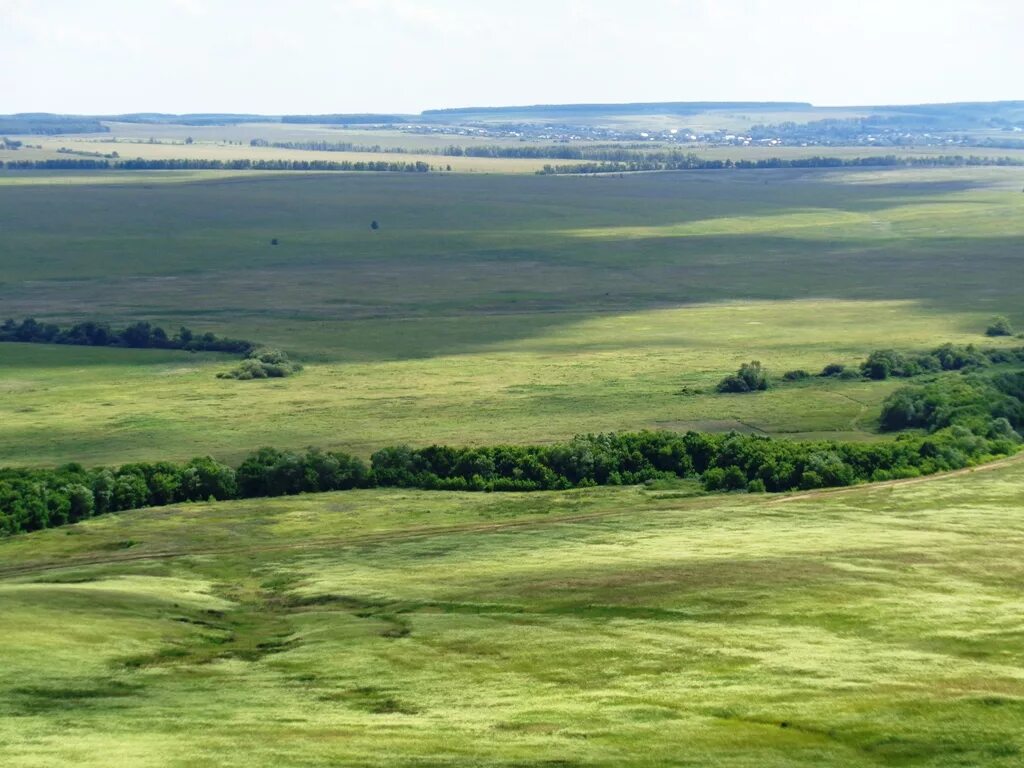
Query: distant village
(825,133)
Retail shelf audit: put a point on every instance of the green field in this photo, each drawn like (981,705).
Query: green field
(487,308)
(608,627)
(648,625)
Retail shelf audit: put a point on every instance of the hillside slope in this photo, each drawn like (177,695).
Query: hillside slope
(614,626)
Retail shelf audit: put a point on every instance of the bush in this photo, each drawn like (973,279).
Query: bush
(262,364)
(999,326)
(797,375)
(832,369)
(883,363)
(750,377)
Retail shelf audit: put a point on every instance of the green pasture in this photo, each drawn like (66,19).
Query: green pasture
(641,626)
(654,369)
(486,309)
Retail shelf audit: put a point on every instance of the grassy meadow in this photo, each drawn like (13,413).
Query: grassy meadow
(485,309)
(643,626)
(618,626)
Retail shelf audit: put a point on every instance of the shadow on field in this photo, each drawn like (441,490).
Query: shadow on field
(464,262)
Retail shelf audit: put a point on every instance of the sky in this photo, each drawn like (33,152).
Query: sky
(331,56)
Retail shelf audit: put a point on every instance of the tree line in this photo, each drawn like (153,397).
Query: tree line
(141,335)
(638,157)
(602,152)
(337,146)
(32,499)
(195,164)
(693,162)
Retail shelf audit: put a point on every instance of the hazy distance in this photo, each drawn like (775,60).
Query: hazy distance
(313,56)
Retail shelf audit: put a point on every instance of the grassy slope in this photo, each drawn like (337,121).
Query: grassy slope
(486,309)
(873,626)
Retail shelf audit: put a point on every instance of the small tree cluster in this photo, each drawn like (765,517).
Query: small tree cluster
(750,377)
(999,326)
(886,363)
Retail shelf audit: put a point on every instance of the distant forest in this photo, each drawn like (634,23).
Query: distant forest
(643,108)
(360,119)
(49,125)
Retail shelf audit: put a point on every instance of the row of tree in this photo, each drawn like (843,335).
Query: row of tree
(195,164)
(31,499)
(692,162)
(337,146)
(636,157)
(140,335)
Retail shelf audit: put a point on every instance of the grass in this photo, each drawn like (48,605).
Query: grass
(617,626)
(620,627)
(612,372)
(485,310)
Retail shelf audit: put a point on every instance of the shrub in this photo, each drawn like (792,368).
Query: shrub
(883,363)
(797,375)
(751,377)
(999,326)
(832,369)
(262,364)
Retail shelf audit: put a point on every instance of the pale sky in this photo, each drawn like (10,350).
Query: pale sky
(313,56)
